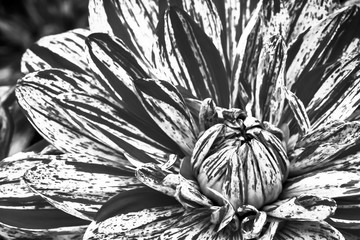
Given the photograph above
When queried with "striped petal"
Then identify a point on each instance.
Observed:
(148, 223)
(64, 50)
(37, 94)
(319, 148)
(24, 213)
(136, 213)
(323, 44)
(113, 126)
(194, 61)
(196, 224)
(234, 16)
(118, 68)
(246, 60)
(79, 184)
(267, 97)
(350, 234)
(302, 208)
(338, 96)
(133, 21)
(205, 14)
(329, 184)
(187, 192)
(298, 111)
(168, 109)
(304, 14)
(61, 232)
(308, 230)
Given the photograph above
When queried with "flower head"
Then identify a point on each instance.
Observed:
(170, 125)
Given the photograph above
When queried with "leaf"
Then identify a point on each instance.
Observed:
(167, 108)
(64, 50)
(193, 59)
(134, 22)
(302, 208)
(308, 230)
(79, 184)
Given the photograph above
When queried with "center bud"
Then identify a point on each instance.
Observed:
(238, 158)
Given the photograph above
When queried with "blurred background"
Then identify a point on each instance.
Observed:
(23, 22)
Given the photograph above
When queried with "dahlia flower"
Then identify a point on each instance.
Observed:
(192, 120)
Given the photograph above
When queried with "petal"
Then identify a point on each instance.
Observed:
(205, 14)
(323, 44)
(299, 112)
(267, 98)
(234, 16)
(318, 148)
(64, 50)
(308, 230)
(338, 96)
(24, 213)
(329, 184)
(147, 223)
(347, 214)
(118, 68)
(113, 126)
(133, 21)
(305, 14)
(245, 61)
(350, 234)
(194, 61)
(36, 93)
(168, 109)
(196, 224)
(79, 184)
(42, 224)
(302, 208)
(185, 191)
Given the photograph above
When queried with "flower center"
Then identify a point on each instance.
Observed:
(238, 159)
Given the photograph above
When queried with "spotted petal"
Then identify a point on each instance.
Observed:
(64, 50)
